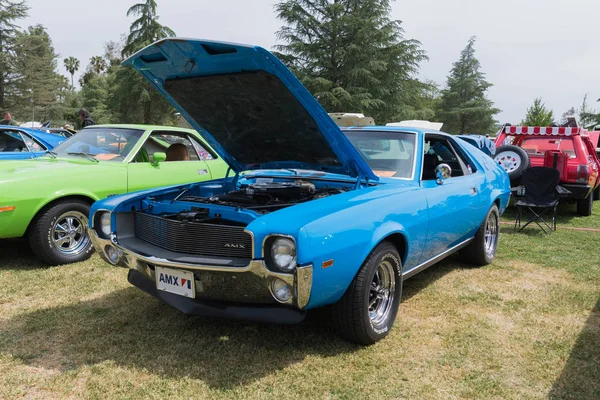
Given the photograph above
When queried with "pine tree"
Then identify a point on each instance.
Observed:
(131, 98)
(38, 84)
(350, 54)
(145, 29)
(464, 107)
(9, 12)
(538, 115)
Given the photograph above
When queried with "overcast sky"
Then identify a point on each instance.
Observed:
(527, 48)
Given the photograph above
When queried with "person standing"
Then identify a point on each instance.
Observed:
(8, 120)
(86, 119)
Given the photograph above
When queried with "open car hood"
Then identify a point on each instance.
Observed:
(249, 107)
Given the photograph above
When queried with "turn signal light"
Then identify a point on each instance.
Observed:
(7, 208)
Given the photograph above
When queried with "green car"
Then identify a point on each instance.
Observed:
(48, 199)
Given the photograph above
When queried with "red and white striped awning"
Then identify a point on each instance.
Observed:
(542, 130)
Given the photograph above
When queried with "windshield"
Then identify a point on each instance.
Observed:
(103, 144)
(389, 154)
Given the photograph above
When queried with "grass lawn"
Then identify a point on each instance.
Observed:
(527, 326)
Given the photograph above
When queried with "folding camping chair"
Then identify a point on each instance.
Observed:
(542, 194)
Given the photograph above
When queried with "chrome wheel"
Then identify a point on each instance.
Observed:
(381, 294)
(509, 160)
(68, 234)
(491, 234)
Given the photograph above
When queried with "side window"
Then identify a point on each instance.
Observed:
(32, 143)
(177, 146)
(201, 150)
(439, 150)
(11, 141)
(467, 165)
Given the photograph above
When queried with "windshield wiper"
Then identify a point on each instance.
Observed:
(86, 155)
(51, 153)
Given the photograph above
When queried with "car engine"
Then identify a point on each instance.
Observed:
(270, 196)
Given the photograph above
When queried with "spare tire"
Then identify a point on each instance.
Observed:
(514, 160)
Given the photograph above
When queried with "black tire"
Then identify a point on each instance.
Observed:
(514, 173)
(350, 315)
(44, 233)
(597, 193)
(478, 252)
(584, 206)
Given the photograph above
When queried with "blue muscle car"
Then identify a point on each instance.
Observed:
(23, 143)
(309, 215)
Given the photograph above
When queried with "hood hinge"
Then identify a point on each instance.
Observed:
(235, 178)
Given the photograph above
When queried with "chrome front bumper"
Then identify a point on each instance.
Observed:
(250, 284)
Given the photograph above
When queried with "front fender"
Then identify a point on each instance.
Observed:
(348, 236)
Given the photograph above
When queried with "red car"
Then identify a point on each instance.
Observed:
(571, 150)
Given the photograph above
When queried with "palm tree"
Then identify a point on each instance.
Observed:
(146, 28)
(71, 65)
(98, 64)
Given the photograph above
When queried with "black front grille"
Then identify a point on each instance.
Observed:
(195, 238)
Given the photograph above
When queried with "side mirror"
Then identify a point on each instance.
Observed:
(442, 172)
(159, 157)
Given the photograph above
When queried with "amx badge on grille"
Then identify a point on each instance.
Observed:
(234, 246)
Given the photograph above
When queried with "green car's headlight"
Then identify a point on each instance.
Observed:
(283, 254)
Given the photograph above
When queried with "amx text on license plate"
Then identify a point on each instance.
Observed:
(175, 281)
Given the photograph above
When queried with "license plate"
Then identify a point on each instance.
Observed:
(175, 281)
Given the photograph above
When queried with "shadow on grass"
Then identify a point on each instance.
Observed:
(532, 230)
(565, 213)
(580, 379)
(129, 328)
(133, 330)
(16, 254)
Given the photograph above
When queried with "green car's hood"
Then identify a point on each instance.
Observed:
(53, 168)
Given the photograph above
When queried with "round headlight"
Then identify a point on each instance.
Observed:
(283, 254)
(105, 223)
(281, 291)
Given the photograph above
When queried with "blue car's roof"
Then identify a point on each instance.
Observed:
(48, 139)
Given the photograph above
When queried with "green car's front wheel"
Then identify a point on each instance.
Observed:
(59, 233)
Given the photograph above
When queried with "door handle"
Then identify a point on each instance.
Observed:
(473, 191)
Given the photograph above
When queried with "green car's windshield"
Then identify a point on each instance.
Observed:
(103, 144)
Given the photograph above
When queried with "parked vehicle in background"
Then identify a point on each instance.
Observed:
(310, 216)
(32, 125)
(64, 132)
(22, 143)
(595, 138)
(481, 142)
(47, 199)
(569, 149)
(351, 119)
